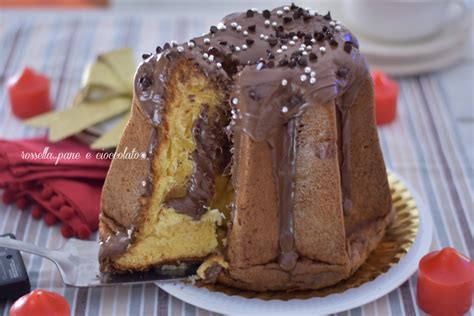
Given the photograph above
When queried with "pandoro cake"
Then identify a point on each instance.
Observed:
(261, 157)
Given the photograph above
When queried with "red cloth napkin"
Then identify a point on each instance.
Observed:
(62, 180)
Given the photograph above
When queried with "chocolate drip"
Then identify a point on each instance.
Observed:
(117, 243)
(346, 169)
(114, 245)
(284, 154)
(201, 185)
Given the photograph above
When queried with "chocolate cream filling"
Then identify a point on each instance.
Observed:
(280, 62)
(201, 185)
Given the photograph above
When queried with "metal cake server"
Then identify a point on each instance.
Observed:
(77, 262)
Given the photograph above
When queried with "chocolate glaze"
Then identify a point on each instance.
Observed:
(281, 61)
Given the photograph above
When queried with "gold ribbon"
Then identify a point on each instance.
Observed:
(105, 95)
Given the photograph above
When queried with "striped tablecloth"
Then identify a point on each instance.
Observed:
(430, 144)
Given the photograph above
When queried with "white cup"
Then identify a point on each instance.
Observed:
(400, 20)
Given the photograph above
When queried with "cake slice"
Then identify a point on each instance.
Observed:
(162, 204)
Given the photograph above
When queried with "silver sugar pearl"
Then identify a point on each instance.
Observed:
(205, 55)
(245, 33)
(235, 101)
(255, 10)
(312, 80)
(284, 82)
(219, 65)
(207, 41)
(233, 24)
(313, 41)
(284, 109)
(210, 58)
(338, 28)
(262, 36)
(237, 49)
(279, 51)
(312, 74)
(303, 77)
(284, 47)
(279, 13)
(309, 47)
(295, 38)
(307, 70)
(332, 24)
(173, 43)
(304, 53)
(239, 28)
(244, 47)
(286, 9)
(322, 49)
(291, 43)
(274, 24)
(265, 37)
(180, 49)
(221, 26)
(191, 44)
(267, 22)
(338, 23)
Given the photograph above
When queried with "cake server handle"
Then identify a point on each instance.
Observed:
(7, 242)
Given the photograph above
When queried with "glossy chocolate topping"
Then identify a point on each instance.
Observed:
(281, 62)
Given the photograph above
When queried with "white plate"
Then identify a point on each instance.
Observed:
(434, 53)
(418, 67)
(368, 292)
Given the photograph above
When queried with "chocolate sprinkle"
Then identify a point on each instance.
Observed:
(266, 14)
(213, 29)
(144, 82)
(252, 28)
(283, 63)
(319, 36)
(249, 13)
(343, 72)
(347, 47)
(328, 16)
(272, 41)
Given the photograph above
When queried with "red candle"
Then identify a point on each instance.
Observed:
(29, 94)
(445, 283)
(386, 94)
